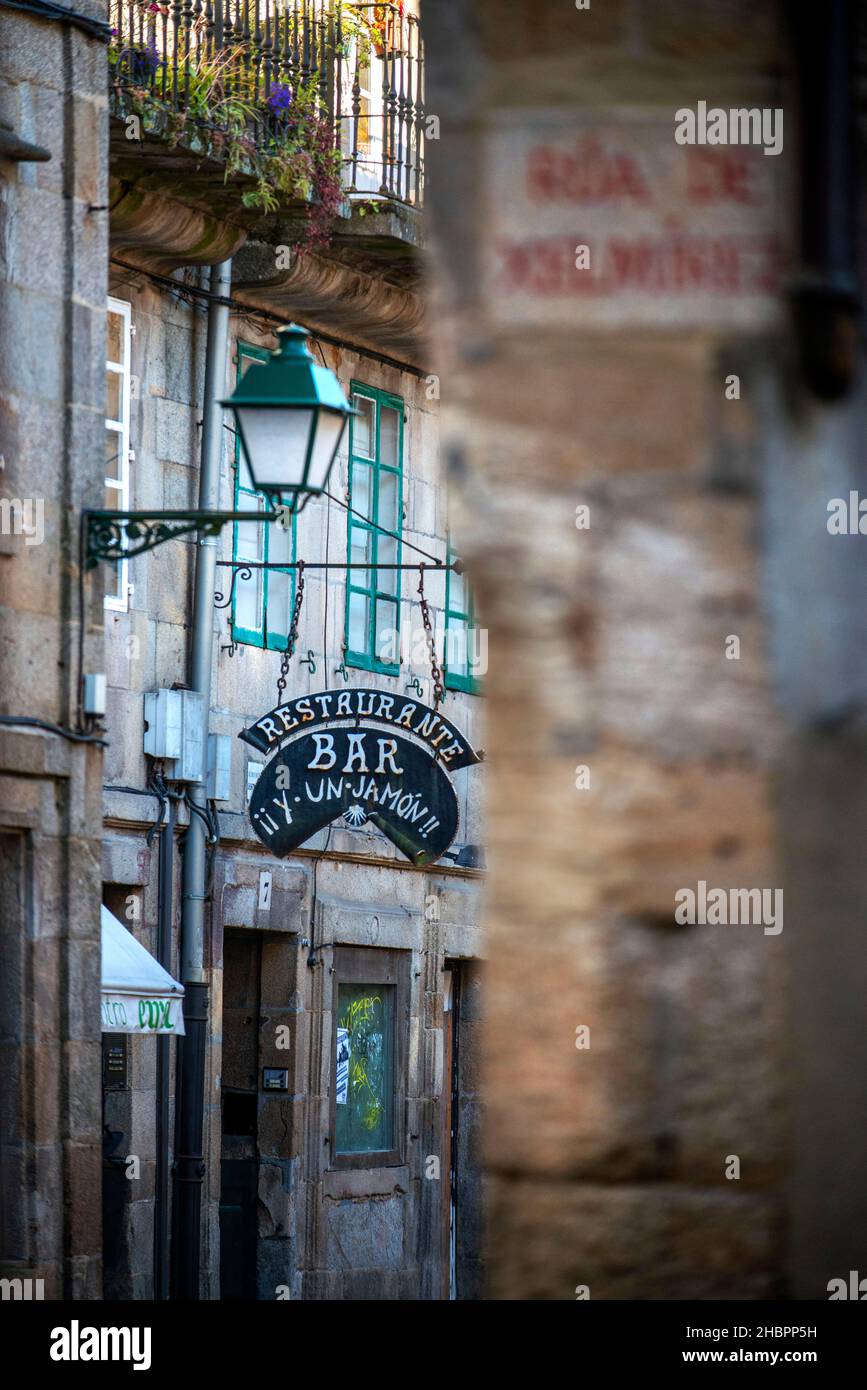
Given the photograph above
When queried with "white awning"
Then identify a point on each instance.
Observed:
(138, 995)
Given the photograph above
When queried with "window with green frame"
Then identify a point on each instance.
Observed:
(464, 659)
(262, 604)
(376, 496)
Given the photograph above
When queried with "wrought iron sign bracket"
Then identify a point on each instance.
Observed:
(112, 535)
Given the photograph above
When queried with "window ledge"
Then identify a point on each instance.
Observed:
(344, 1183)
(357, 662)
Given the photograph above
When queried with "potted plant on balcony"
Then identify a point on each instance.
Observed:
(382, 26)
(297, 159)
(280, 143)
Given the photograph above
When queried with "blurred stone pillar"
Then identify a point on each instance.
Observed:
(607, 387)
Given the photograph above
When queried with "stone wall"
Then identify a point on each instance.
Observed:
(321, 1233)
(53, 248)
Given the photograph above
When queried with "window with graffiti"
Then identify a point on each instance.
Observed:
(364, 1085)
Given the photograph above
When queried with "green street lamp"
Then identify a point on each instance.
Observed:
(290, 414)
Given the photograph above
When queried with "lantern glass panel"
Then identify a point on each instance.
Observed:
(276, 442)
(328, 432)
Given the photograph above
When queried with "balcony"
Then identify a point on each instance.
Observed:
(302, 115)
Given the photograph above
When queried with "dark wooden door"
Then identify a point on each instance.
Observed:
(238, 1183)
(239, 1168)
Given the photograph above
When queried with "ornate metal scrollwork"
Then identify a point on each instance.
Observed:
(239, 571)
(120, 535)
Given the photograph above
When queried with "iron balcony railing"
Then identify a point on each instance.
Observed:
(362, 65)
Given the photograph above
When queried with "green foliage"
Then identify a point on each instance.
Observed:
(354, 26)
(288, 150)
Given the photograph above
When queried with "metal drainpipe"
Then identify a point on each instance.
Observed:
(825, 296)
(189, 1165)
(164, 956)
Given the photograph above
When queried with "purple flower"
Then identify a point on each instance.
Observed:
(279, 98)
(139, 64)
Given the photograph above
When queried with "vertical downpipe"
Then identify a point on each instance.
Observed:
(189, 1166)
(164, 955)
(825, 296)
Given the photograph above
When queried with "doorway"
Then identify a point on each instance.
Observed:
(239, 1157)
(451, 1111)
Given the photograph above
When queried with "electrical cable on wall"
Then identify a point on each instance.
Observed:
(58, 14)
(30, 722)
(253, 315)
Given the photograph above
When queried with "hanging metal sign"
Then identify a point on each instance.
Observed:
(365, 774)
(356, 703)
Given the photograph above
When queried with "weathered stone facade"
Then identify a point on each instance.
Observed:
(81, 827)
(323, 1233)
(639, 476)
(53, 257)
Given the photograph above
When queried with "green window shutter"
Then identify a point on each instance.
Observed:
(460, 657)
(372, 631)
(262, 604)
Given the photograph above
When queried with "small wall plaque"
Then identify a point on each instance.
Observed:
(115, 1073)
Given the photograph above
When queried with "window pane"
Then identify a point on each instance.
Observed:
(245, 361)
(360, 500)
(364, 108)
(113, 395)
(245, 479)
(389, 501)
(389, 435)
(115, 350)
(250, 542)
(279, 543)
(248, 602)
(456, 646)
(360, 546)
(249, 545)
(113, 580)
(457, 593)
(386, 627)
(113, 454)
(387, 580)
(277, 614)
(359, 622)
(363, 428)
(364, 1091)
(376, 495)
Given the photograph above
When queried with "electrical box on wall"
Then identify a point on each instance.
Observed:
(93, 700)
(220, 767)
(174, 732)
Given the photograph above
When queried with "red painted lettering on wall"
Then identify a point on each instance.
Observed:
(669, 264)
(723, 176)
(589, 173)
